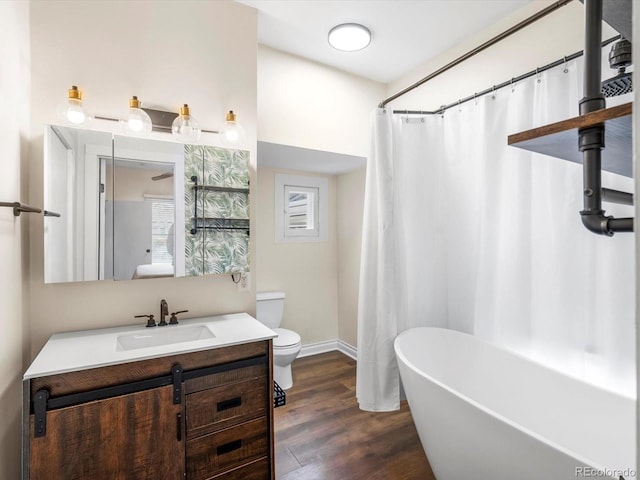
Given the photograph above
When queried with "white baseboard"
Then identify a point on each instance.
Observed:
(328, 346)
(317, 348)
(348, 350)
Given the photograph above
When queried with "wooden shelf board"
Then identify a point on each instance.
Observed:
(560, 139)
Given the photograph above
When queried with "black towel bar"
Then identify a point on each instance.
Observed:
(18, 208)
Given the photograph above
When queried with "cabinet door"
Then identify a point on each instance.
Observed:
(131, 437)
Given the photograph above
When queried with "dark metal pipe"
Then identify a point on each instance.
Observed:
(593, 99)
(591, 143)
(621, 224)
(616, 196)
(591, 140)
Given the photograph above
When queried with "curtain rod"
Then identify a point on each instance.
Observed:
(527, 21)
(504, 84)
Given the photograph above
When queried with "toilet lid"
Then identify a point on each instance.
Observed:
(285, 337)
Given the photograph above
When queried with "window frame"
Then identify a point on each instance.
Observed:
(283, 184)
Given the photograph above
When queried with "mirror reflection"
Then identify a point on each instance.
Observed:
(133, 208)
(75, 170)
(142, 198)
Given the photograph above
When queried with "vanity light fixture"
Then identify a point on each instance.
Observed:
(232, 134)
(136, 120)
(70, 110)
(185, 127)
(349, 37)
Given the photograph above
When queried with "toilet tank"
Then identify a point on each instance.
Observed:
(270, 308)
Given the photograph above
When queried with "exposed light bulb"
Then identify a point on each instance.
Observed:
(71, 110)
(232, 134)
(136, 120)
(185, 127)
(75, 114)
(135, 124)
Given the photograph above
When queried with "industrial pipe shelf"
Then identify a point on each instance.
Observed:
(560, 139)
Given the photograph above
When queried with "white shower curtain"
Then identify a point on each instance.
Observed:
(464, 232)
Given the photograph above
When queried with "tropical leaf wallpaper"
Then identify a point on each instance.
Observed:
(211, 250)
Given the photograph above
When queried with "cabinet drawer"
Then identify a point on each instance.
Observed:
(258, 470)
(213, 454)
(217, 408)
(254, 372)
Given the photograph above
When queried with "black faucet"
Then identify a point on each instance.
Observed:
(164, 311)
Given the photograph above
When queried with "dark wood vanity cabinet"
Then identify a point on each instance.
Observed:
(200, 416)
(138, 433)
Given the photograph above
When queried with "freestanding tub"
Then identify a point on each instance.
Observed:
(483, 413)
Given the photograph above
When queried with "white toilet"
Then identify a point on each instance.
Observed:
(286, 346)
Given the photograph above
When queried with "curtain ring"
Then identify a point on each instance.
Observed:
(493, 92)
(566, 70)
(459, 109)
(538, 75)
(513, 87)
(475, 98)
(441, 111)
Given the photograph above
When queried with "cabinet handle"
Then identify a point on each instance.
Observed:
(229, 447)
(179, 419)
(231, 403)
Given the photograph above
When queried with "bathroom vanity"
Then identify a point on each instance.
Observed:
(193, 401)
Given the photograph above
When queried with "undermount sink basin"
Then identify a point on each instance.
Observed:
(158, 336)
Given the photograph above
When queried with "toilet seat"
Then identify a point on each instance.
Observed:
(286, 338)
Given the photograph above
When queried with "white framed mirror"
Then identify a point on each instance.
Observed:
(130, 208)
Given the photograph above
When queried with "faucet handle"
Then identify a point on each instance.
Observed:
(174, 319)
(150, 323)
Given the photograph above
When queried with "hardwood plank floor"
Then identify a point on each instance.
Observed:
(321, 434)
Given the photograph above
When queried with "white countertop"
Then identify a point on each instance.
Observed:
(81, 350)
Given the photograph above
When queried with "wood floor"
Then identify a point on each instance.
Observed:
(321, 434)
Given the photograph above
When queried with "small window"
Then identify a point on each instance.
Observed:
(162, 230)
(301, 217)
(301, 208)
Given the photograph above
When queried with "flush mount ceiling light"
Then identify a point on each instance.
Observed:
(349, 37)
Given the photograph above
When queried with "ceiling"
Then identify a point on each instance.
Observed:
(405, 33)
(274, 155)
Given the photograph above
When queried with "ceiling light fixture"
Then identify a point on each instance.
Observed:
(349, 37)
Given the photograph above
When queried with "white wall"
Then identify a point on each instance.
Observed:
(14, 292)
(556, 35)
(305, 104)
(306, 271)
(350, 214)
(167, 53)
(636, 170)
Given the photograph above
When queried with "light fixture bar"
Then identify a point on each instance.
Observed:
(160, 119)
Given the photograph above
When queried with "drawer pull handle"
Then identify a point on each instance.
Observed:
(229, 447)
(231, 403)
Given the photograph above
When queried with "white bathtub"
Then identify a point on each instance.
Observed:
(483, 413)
